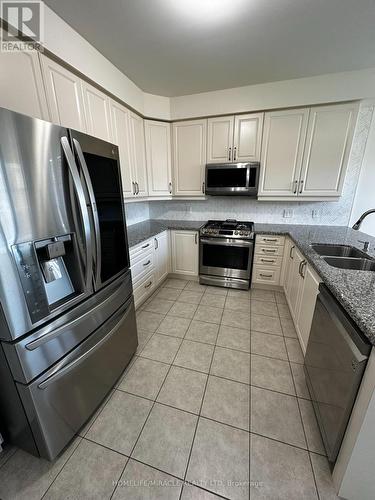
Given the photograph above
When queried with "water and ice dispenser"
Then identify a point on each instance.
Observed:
(50, 273)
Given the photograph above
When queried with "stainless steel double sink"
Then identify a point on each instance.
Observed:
(344, 256)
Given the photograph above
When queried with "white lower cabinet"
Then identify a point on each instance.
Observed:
(301, 286)
(149, 265)
(308, 295)
(185, 252)
(162, 256)
(268, 255)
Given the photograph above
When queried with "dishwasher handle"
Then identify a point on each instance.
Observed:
(351, 335)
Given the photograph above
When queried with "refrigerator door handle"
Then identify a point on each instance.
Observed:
(82, 205)
(90, 190)
(62, 370)
(34, 344)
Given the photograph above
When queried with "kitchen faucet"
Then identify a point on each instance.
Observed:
(357, 225)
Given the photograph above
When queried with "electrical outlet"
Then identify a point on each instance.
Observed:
(315, 214)
(288, 213)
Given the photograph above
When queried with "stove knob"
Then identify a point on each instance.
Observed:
(235, 232)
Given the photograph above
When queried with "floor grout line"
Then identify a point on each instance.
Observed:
(303, 425)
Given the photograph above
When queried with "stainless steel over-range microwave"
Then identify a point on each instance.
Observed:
(236, 179)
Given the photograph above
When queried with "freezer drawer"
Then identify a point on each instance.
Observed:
(35, 353)
(59, 402)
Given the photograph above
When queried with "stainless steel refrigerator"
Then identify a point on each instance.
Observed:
(67, 319)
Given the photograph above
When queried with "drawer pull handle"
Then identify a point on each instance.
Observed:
(268, 250)
(265, 275)
(148, 285)
(269, 239)
(271, 261)
(146, 246)
(147, 263)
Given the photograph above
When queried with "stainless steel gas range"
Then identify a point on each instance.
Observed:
(226, 253)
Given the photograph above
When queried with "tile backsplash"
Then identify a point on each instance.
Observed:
(325, 213)
(136, 212)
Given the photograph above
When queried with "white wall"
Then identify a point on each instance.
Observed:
(299, 92)
(365, 195)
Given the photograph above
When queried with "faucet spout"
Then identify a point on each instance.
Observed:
(357, 225)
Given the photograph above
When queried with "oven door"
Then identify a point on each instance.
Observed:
(225, 257)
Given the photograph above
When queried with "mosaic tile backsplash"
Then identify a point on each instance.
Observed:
(327, 213)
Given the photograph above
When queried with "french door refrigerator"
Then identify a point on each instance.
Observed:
(67, 319)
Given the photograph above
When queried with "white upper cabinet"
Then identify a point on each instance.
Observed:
(305, 152)
(247, 137)
(282, 150)
(97, 112)
(234, 138)
(158, 158)
(21, 84)
(329, 138)
(138, 155)
(189, 157)
(220, 139)
(64, 95)
(120, 129)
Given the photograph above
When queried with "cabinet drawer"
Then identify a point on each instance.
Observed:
(144, 288)
(269, 250)
(266, 275)
(143, 266)
(264, 239)
(267, 260)
(139, 251)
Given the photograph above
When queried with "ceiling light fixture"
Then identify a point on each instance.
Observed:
(207, 11)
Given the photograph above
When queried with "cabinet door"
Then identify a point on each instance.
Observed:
(247, 137)
(185, 252)
(163, 256)
(120, 128)
(137, 138)
(309, 292)
(189, 157)
(282, 149)
(220, 139)
(97, 112)
(328, 144)
(158, 158)
(21, 84)
(64, 94)
(295, 283)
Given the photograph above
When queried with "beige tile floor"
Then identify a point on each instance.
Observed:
(215, 396)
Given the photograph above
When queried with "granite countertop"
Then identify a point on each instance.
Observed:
(148, 228)
(355, 290)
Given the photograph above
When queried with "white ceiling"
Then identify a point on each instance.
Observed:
(178, 47)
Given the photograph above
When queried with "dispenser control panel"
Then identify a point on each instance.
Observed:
(31, 280)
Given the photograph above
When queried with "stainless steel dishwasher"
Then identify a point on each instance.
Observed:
(335, 360)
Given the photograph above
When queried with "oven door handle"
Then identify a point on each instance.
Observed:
(226, 242)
